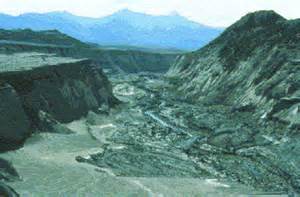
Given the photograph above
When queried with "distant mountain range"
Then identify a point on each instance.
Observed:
(123, 28)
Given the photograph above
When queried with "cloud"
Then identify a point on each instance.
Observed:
(211, 12)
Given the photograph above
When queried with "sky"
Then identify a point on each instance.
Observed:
(219, 13)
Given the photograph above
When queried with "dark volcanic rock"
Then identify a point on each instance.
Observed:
(66, 91)
(14, 123)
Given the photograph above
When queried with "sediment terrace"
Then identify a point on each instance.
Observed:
(28, 61)
(35, 84)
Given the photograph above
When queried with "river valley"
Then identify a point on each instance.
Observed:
(135, 149)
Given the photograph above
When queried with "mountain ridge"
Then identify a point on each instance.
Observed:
(124, 27)
(246, 56)
(251, 74)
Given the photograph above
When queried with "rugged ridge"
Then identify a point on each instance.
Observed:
(254, 62)
(245, 85)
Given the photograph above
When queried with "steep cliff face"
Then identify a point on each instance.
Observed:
(14, 124)
(65, 91)
(254, 62)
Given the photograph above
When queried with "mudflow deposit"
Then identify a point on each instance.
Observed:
(222, 121)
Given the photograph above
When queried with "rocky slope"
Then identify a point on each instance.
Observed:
(66, 46)
(54, 89)
(254, 62)
(242, 92)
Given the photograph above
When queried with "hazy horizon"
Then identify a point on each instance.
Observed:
(210, 13)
